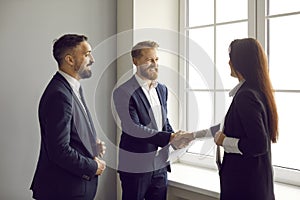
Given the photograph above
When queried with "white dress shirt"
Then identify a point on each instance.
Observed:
(153, 99)
(230, 144)
(75, 85)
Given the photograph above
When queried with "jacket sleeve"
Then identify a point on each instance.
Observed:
(58, 118)
(251, 112)
(129, 116)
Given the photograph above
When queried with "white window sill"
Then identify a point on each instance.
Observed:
(206, 182)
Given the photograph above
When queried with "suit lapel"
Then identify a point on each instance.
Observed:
(163, 110)
(139, 91)
(79, 104)
(84, 128)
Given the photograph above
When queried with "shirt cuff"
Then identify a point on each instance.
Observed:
(231, 145)
(201, 133)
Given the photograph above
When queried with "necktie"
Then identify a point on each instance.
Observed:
(92, 133)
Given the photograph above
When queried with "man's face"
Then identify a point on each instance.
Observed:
(83, 60)
(147, 67)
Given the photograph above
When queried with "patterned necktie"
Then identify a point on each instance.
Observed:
(92, 133)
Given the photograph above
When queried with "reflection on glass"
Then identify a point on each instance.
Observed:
(284, 53)
(231, 10)
(285, 152)
(286, 6)
(225, 34)
(200, 12)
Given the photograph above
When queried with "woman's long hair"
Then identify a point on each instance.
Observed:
(249, 59)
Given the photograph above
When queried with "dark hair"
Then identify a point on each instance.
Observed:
(65, 43)
(137, 49)
(249, 59)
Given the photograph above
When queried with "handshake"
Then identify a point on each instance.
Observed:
(182, 139)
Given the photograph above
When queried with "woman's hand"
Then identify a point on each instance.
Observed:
(219, 138)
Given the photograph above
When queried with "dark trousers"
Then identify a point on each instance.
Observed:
(148, 186)
(90, 189)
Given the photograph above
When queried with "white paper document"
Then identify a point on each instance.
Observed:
(176, 154)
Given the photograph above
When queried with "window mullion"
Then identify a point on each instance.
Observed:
(261, 22)
(252, 32)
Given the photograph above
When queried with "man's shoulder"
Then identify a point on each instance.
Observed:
(130, 84)
(58, 85)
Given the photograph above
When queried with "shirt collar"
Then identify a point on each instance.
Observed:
(236, 88)
(144, 83)
(74, 83)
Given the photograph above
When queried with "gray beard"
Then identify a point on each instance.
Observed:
(146, 75)
(85, 74)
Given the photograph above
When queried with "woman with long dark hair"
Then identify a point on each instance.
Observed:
(250, 126)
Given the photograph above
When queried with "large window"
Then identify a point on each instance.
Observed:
(212, 25)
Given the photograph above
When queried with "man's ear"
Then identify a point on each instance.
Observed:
(134, 61)
(69, 59)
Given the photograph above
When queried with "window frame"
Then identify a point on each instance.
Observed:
(257, 28)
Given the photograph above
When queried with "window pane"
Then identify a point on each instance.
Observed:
(223, 102)
(204, 37)
(231, 10)
(225, 34)
(286, 153)
(200, 54)
(200, 12)
(200, 116)
(197, 80)
(284, 52)
(200, 110)
(286, 6)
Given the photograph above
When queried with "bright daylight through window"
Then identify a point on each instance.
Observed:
(212, 25)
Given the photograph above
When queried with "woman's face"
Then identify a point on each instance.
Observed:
(232, 71)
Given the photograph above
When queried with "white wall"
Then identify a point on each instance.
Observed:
(159, 21)
(27, 28)
(145, 20)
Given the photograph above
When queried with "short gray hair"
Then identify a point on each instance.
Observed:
(137, 49)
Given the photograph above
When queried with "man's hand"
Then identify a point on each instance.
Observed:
(181, 139)
(101, 166)
(101, 148)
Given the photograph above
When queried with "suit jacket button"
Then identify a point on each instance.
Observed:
(86, 177)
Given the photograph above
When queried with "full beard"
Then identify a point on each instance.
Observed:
(84, 72)
(151, 73)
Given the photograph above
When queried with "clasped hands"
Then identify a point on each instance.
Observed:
(101, 151)
(181, 139)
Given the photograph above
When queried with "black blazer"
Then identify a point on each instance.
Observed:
(248, 176)
(65, 166)
(140, 137)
